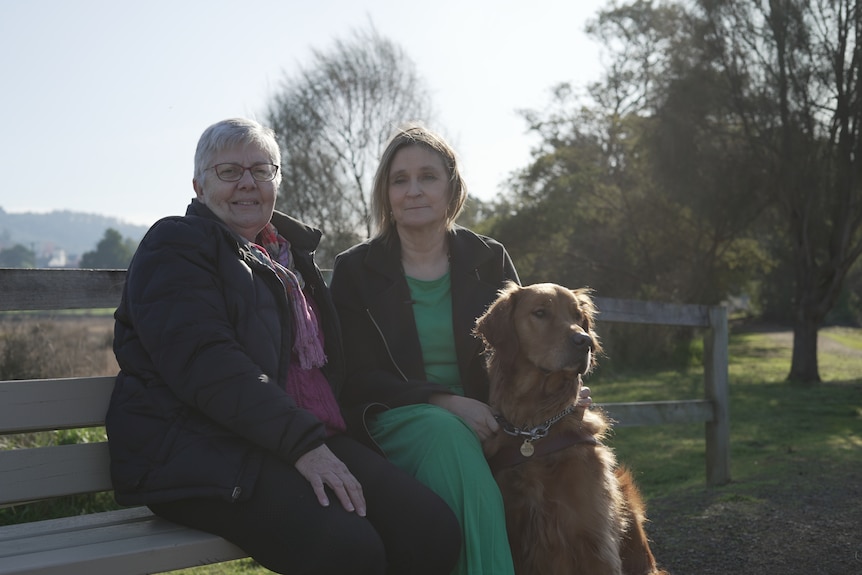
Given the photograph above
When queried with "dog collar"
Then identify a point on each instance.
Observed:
(537, 432)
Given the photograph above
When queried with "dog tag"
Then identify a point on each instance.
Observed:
(527, 448)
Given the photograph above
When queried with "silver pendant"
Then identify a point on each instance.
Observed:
(527, 448)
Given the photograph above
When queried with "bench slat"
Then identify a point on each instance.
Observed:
(46, 404)
(128, 541)
(44, 472)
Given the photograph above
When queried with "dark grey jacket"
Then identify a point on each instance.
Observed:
(383, 354)
(203, 336)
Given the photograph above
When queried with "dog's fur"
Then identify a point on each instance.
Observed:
(573, 511)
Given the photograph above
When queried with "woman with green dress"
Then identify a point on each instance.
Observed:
(408, 300)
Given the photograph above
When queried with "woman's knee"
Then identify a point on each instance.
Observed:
(441, 547)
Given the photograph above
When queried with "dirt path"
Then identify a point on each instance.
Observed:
(809, 525)
(825, 343)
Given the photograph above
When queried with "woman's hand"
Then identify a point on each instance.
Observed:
(322, 468)
(584, 399)
(476, 414)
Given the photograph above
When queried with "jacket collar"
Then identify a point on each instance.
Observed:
(468, 252)
(301, 236)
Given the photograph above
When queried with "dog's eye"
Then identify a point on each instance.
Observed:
(540, 313)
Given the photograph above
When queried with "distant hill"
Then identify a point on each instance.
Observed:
(74, 232)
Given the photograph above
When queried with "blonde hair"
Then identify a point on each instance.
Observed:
(414, 134)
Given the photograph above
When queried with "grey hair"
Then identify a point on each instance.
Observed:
(414, 134)
(232, 133)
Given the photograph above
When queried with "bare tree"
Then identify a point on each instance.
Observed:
(332, 120)
(794, 68)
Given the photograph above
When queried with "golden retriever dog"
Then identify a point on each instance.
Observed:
(570, 509)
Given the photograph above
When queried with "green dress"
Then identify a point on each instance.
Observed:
(453, 464)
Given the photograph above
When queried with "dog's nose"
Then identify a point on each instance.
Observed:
(581, 340)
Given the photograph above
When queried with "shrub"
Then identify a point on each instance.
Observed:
(36, 347)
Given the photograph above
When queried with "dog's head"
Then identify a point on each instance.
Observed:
(547, 326)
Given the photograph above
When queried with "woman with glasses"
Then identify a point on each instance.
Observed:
(224, 414)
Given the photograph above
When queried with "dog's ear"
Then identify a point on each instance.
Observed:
(496, 327)
(590, 311)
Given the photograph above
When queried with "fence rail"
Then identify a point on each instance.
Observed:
(60, 289)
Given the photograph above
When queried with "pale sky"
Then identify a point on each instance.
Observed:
(103, 101)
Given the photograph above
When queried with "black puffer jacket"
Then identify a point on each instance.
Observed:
(203, 336)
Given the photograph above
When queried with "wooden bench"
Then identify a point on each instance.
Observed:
(133, 540)
(130, 540)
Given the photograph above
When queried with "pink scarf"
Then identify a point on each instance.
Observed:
(306, 341)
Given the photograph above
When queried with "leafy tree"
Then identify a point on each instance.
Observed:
(726, 128)
(641, 192)
(112, 252)
(559, 208)
(475, 213)
(332, 120)
(17, 256)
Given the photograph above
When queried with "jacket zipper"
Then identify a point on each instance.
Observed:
(385, 344)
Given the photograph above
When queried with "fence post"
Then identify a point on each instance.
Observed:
(717, 391)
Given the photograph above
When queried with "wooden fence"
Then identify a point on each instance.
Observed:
(62, 289)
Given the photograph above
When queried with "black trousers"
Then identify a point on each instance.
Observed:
(408, 529)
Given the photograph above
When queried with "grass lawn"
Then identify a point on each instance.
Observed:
(777, 427)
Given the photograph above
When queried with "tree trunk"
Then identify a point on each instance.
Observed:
(803, 365)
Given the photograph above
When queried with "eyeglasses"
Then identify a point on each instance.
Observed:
(234, 172)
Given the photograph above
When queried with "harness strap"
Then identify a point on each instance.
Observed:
(510, 454)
